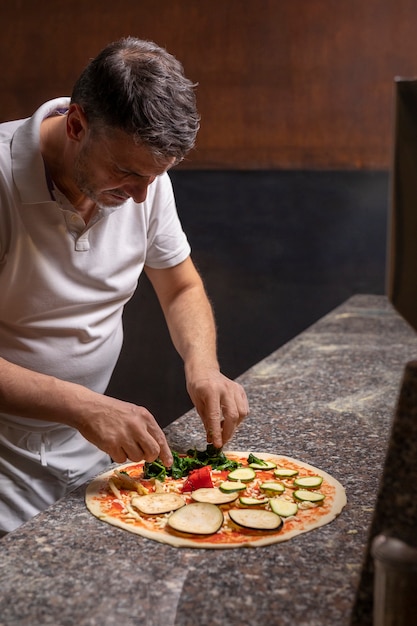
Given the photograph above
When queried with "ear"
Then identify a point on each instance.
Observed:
(77, 125)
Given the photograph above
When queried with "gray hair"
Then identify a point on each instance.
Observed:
(140, 88)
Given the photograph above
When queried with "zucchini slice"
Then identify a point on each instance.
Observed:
(272, 487)
(157, 503)
(303, 495)
(284, 472)
(229, 486)
(198, 518)
(283, 508)
(213, 495)
(246, 501)
(242, 474)
(257, 519)
(266, 465)
(308, 482)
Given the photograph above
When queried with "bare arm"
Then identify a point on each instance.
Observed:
(121, 429)
(220, 402)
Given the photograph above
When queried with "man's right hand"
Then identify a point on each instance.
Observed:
(125, 431)
(121, 429)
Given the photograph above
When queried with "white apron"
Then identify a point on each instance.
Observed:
(40, 465)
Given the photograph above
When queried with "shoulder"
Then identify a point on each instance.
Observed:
(160, 199)
(161, 187)
(8, 128)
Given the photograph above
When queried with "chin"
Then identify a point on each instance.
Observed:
(110, 201)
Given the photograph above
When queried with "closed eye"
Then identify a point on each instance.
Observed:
(127, 173)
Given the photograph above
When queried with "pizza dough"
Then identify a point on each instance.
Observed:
(299, 507)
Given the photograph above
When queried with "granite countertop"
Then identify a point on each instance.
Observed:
(328, 398)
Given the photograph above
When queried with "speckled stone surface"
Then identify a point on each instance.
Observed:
(395, 513)
(328, 397)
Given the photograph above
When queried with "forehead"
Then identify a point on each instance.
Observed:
(121, 150)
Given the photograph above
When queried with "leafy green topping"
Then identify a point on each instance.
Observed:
(194, 459)
(155, 469)
(254, 459)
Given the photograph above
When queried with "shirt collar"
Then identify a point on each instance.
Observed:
(27, 162)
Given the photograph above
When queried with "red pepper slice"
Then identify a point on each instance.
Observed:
(198, 478)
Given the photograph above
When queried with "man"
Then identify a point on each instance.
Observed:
(85, 205)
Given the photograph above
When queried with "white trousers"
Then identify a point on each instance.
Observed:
(39, 466)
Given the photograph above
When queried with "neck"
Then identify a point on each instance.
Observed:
(86, 209)
(56, 151)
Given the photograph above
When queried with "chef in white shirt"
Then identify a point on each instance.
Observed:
(86, 205)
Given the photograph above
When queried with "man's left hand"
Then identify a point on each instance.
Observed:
(221, 403)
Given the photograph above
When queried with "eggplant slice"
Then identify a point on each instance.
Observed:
(157, 503)
(198, 518)
(256, 519)
(213, 495)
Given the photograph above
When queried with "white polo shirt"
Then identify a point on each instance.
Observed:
(63, 284)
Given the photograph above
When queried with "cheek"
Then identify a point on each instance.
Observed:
(96, 174)
(102, 179)
(108, 179)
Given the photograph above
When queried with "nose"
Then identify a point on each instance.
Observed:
(138, 190)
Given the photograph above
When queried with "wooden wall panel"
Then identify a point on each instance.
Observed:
(282, 84)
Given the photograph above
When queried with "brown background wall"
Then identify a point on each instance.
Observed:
(282, 84)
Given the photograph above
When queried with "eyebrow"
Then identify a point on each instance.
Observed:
(131, 172)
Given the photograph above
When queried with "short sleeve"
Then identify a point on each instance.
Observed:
(167, 243)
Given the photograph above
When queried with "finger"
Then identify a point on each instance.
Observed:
(165, 454)
(209, 412)
(147, 447)
(149, 438)
(134, 451)
(229, 423)
(242, 403)
(118, 455)
(164, 451)
(212, 424)
(233, 415)
(229, 428)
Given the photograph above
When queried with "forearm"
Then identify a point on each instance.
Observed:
(192, 327)
(31, 394)
(220, 402)
(121, 429)
(188, 314)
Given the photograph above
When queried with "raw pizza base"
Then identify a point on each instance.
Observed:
(98, 500)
